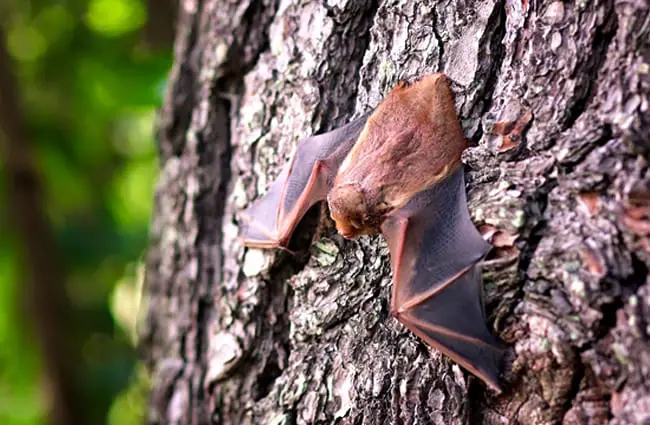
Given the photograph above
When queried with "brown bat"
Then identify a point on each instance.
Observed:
(398, 172)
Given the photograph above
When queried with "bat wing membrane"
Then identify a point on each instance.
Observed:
(437, 287)
(259, 221)
(305, 180)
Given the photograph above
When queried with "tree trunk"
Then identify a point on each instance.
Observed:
(553, 97)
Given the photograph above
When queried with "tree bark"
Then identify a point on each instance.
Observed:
(554, 98)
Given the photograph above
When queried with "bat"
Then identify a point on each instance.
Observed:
(397, 171)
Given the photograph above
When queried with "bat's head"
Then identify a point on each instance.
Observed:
(350, 211)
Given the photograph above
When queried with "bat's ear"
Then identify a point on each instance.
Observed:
(401, 84)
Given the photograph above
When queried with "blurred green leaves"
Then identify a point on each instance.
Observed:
(90, 86)
(30, 37)
(115, 17)
(20, 397)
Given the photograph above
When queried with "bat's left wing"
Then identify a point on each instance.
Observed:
(305, 180)
(437, 285)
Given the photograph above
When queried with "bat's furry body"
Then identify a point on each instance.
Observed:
(398, 172)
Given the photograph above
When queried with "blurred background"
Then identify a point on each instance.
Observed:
(80, 84)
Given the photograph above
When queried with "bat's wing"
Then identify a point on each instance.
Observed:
(437, 285)
(305, 180)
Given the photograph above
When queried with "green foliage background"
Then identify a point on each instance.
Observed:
(90, 86)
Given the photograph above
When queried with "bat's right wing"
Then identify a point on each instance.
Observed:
(305, 180)
(437, 286)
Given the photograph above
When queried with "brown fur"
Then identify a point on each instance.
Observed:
(411, 141)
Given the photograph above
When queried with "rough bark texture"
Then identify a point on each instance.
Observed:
(238, 336)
